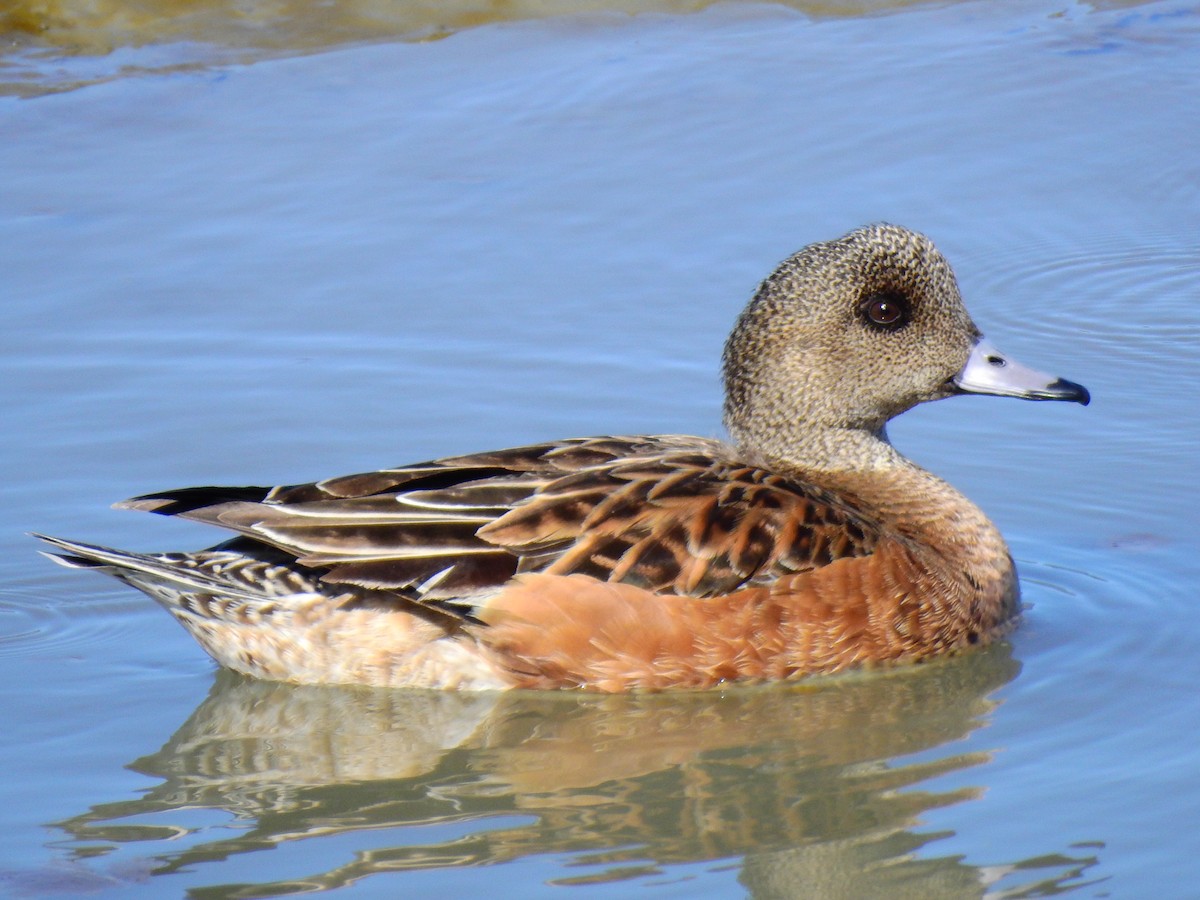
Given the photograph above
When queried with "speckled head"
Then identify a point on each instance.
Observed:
(846, 334)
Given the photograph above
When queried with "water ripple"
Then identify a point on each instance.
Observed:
(1101, 617)
(1090, 295)
(31, 624)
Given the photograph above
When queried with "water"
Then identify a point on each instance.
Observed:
(251, 260)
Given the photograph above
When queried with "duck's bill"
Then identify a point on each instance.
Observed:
(988, 371)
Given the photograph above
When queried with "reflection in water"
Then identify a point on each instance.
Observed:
(803, 782)
(99, 26)
(59, 45)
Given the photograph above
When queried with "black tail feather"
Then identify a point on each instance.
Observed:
(185, 500)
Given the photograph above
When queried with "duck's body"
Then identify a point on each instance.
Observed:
(809, 545)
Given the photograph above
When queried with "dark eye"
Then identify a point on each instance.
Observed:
(887, 311)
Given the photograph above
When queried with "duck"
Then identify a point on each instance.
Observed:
(805, 544)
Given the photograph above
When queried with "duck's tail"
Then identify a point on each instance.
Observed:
(255, 611)
(164, 576)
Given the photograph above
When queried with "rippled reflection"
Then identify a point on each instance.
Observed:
(98, 26)
(46, 45)
(809, 784)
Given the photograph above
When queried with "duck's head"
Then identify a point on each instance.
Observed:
(846, 334)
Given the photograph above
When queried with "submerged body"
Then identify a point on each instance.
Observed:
(807, 545)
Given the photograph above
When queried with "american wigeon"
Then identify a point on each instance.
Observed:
(807, 544)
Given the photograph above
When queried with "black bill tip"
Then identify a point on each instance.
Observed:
(1070, 391)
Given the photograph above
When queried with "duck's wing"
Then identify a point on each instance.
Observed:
(671, 514)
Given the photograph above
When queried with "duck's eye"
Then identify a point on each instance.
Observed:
(887, 311)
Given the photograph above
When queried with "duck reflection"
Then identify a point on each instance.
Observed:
(816, 787)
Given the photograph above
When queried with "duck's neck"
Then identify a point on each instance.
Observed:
(823, 450)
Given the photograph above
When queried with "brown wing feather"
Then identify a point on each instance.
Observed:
(674, 515)
(694, 525)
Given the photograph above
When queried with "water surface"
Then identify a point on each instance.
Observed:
(261, 262)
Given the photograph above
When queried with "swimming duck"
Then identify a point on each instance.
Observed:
(807, 544)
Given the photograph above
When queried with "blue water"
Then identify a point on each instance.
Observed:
(302, 266)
